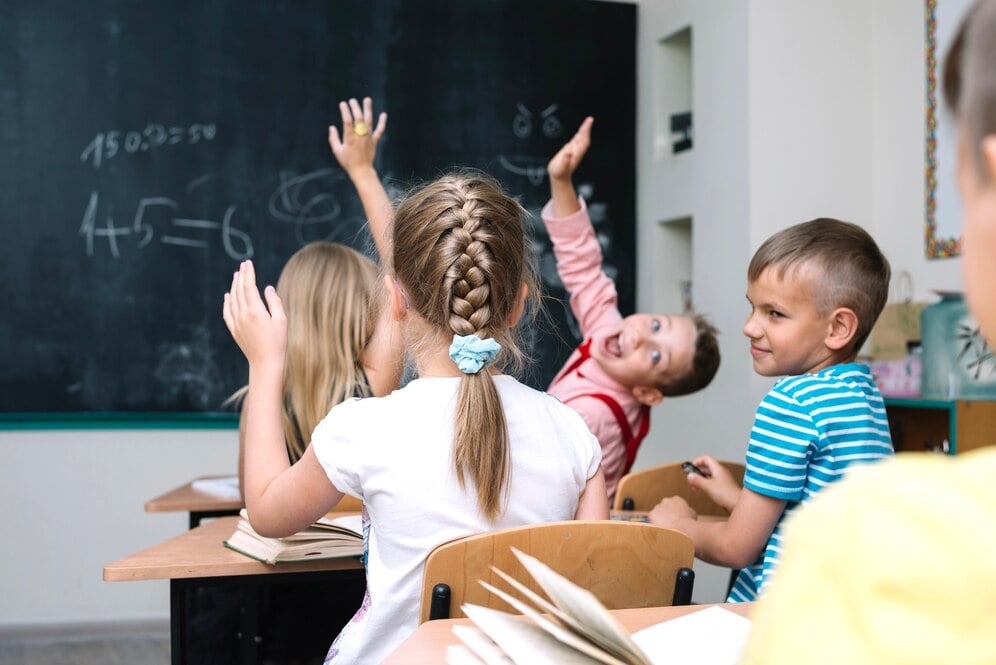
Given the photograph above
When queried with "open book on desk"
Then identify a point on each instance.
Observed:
(574, 627)
(328, 538)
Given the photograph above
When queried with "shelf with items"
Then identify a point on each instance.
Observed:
(919, 425)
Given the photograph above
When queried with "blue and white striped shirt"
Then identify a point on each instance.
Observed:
(807, 430)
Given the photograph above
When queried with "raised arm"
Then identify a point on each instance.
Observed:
(281, 499)
(561, 169)
(593, 296)
(355, 151)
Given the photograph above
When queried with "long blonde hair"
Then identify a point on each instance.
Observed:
(460, 255)
(329, 294)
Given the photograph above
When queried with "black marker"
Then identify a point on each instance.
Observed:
(688, 467)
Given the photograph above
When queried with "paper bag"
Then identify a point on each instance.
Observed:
(898, 324)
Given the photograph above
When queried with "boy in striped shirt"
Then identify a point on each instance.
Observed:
(815, 290)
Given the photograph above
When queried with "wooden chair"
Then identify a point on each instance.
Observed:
(642, 490)
(646, 488)
(625, 564)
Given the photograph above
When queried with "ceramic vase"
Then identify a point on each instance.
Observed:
(957, 362)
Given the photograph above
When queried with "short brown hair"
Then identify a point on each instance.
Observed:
(705, 362)
(969, 80)
(855, 273)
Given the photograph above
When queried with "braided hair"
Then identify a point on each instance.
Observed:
(460, 255)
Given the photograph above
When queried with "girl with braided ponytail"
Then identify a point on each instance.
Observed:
(459, 450)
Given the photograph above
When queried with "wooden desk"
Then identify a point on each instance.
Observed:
(427, 645)
(202, 505)
(199, 504)
(197, 559)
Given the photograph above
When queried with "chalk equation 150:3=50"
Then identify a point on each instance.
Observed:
(107, 145)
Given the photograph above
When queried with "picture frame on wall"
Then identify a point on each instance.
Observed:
(942, 229)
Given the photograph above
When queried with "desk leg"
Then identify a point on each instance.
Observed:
(197, 515)
(178, 621)
(242, 632)
(249, 625)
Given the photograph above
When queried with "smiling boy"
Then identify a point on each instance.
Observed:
(815, 290)
(624, 366)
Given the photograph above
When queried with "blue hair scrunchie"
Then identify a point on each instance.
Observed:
(471, 353)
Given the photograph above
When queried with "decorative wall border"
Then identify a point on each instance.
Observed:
(936, 248)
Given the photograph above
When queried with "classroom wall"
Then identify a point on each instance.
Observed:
(73, 502)
(898, 114)
(73, 499)
(710, 185)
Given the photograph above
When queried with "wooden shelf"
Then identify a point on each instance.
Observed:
(916, 424)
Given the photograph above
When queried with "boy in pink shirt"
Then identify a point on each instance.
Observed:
(624, 365)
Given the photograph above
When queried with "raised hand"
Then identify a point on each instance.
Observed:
(261, 333)
(567, 159)
(356, 148)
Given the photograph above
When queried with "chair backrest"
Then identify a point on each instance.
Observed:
(646, 488)
(625, 564)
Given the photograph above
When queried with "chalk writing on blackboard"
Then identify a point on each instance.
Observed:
(187, 369)
(522, 124)
(167, 147)
(183, 231)
(533, 168)
(107, 145)
(309, 202)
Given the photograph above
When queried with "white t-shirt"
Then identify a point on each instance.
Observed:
(394, 453)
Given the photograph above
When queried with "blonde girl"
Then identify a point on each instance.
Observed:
(329, 294)
(337, 346)
(459, 450)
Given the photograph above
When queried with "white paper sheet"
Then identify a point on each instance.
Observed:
(713, 636)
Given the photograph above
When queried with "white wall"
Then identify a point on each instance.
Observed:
(73, 502)
(710, 184)
(812, 125)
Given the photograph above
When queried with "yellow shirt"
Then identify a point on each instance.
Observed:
(894, 564)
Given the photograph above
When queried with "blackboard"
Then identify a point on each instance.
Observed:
(147, 147)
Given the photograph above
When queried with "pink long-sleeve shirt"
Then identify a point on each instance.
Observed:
(594, 302)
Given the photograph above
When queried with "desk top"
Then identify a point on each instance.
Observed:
(427, 645)
(200, 553)
(641, 516)
(186, 499)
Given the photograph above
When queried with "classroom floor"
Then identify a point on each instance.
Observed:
(118, 650)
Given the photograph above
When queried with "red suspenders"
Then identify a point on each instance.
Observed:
(631, 442)
(585, 352)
